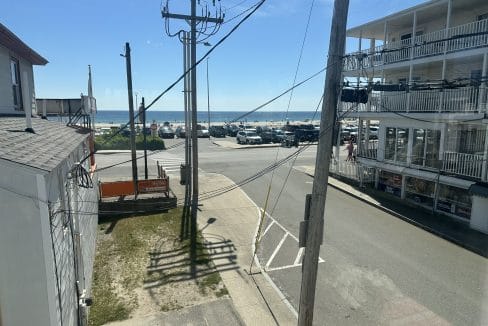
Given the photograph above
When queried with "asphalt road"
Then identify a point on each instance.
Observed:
(374, 269)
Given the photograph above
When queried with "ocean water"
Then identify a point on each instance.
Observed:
(122, 116)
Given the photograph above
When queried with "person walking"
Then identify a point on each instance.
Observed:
(350, 151)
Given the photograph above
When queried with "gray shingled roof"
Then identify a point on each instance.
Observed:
(13, 43)
(46, 149)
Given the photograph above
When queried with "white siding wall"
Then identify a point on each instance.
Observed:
(6, 96)
(31, 294)
(24, 293)
(69, 201)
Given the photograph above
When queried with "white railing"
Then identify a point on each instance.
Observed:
(424, 101)
(429, 44)
(458, 38)
(470, 165)
(467, 36)
(463, 99)
(354, 171)
(369, 149)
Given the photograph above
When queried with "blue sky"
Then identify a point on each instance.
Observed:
(256, 63)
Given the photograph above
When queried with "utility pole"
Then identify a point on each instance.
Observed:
(204, 20)
(131, 116)
(143, 105)
(194, 135)
(315, 226)
(208, 98)
(187, 173)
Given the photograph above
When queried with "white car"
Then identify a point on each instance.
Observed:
(202, 132)
(373, 132)
(248, 137)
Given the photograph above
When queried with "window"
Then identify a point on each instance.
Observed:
(454, 200)
(405, 38)
(420, 191)
(390, 182)
(16, 88)
(396, 144)
(476, 77)
(425, 147)
(482, 17)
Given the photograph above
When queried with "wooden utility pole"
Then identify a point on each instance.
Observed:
(143, 104)
(194, 135)
(194, 19)
(314, 233)
(131, 116)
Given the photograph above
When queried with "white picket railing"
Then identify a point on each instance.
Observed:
(467, 36)
(458, 38)
(463, 99)
(470, 165)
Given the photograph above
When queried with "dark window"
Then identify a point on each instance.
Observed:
(482, 17)
(16, 88)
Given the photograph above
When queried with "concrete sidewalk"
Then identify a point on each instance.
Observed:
(218, 312)
(447, 228)
(235, 219)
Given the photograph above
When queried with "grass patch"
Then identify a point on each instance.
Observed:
(143, 259)
(107, 306)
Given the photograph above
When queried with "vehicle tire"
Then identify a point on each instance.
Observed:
(247, 141)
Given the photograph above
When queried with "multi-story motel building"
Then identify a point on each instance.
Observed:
(427, 68)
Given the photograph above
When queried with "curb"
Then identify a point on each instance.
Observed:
(410, 221)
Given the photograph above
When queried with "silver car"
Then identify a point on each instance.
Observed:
(248, 137)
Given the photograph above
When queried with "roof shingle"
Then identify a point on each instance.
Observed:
(47, 148)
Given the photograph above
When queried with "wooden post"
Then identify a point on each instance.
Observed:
(319, 191)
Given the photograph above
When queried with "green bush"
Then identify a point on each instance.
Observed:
(121, 142)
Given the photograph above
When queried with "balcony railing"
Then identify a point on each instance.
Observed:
(470, 165)
(463, 99)
(458, 38)
(368, 149)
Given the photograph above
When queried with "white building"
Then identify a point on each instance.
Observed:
(425, 70)
(48, 204)
(16, 61)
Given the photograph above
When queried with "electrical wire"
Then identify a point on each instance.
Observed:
(171, 86)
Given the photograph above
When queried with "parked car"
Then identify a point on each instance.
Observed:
(166, 132)
(277, 135)
(217, 131)
(289, 139)
(373, 132)
(180, 132)
(202, 132)
(351, 133)
(231, 130)
(306, 133)
(248, 137)
(266, 134)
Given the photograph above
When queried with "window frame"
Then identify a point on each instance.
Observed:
(16, 85)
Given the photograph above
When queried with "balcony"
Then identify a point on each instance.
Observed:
(368, 149)
(470, 165)
(458, 38)
(457, 100)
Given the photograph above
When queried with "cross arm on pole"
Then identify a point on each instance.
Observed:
(189, 17)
